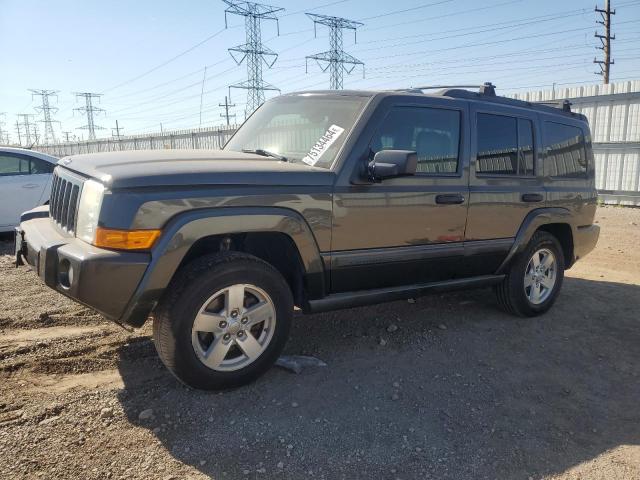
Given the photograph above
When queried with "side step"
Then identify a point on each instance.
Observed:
(338, 301)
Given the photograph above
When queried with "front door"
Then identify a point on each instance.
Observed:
(406, 230)
(20, 190)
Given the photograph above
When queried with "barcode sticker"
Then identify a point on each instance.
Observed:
(323, 144)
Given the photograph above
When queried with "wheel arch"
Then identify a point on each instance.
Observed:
(556, 221)
(206, 231)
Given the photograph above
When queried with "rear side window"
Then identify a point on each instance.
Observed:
(565, 151)
(433, 133)
(505, 145)
(13, 165)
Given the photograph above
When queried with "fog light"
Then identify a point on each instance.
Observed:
(65, 273)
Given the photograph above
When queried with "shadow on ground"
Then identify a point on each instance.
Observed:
(460, 390)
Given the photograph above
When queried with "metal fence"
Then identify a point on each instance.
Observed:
(614, 116)
(211, 138)
(613, 111)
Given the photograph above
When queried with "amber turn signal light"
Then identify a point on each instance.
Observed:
(126, 239)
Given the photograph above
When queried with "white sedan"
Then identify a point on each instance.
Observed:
(25, 183)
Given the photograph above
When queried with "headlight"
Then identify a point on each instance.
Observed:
(89, 210)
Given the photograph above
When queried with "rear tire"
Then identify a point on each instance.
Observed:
(223, 321)
(534, 277)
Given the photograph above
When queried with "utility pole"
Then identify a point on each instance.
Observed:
(46, 109)
(253, 52)
(26, 125)
(117, 131)
(336, 60)
(89, 109)
(226, 106)
(204, 77)
(66, 136)
(605, 65)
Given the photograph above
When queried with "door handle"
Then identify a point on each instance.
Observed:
(30, 185)
(449, 199)
(532, 197)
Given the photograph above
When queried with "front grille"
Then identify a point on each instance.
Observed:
(65, 194)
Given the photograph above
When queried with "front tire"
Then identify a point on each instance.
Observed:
(534, 278)
(223, 321)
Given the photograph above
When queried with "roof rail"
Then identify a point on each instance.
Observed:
(487, 88)
(565, 105)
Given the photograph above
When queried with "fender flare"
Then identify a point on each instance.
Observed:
(185, 229)
(534, 220)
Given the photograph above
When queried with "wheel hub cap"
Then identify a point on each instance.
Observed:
(233, 327)
(540, 276)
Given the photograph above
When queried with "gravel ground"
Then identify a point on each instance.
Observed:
(446, 387)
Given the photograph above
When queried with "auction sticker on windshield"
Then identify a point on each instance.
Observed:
(322, 145)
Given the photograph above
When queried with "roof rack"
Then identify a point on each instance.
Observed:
(564, 104)
(487, 88)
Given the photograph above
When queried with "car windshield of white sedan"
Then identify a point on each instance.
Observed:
(299, 128)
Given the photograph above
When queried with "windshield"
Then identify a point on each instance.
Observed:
(300, 128)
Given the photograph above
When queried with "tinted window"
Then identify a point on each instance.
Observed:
(431, 132)
(497, 144)
(13, 165)
(525, 147)
(505, 145)
(565, 150)
(40, 166)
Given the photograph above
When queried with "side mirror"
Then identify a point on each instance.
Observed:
(393, 163)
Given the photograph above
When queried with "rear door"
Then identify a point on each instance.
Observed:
(505, 182)
(406, 230)
(20, 189)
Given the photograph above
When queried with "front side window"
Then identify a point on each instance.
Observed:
(41, 166)
(13, 165)
(301, 128)
(565, 151)
(433, 133)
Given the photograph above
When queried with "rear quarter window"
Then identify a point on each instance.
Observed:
(565, 152)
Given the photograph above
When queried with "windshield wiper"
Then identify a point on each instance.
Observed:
(266, 153)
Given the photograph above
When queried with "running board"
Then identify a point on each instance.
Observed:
(338, 301)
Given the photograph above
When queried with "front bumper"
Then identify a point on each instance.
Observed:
(102, 279)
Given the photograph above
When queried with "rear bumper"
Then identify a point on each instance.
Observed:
(584, 240)
(104, 280)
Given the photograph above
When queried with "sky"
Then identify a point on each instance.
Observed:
(147, 58)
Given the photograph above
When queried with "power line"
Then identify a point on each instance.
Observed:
(336, 60)
(47, 110)
(89, 109)
(605, 65)
(253, 51)
(4, 135)
(405, 10)
(166, 62)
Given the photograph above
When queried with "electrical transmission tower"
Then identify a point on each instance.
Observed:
(66, 136)
(46, 109)
(4, 135)
(605, 65)
(253, 52)
(27, 128)
(90, 109)
(227, 106)
(336, 60)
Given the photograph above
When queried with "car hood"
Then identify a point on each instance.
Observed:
(148, 168)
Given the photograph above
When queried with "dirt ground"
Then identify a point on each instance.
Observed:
(447, 387)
